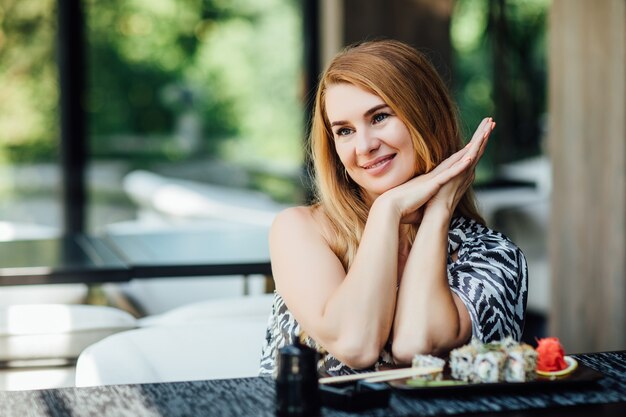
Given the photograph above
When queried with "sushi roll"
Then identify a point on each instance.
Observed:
(428, 361)
(504, 360)
(462, 361)
(489, 364)
(520, 363)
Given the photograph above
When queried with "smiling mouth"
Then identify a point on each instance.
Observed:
(380, 162)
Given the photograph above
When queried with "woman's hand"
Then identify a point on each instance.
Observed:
(455, 174)
(449, 194)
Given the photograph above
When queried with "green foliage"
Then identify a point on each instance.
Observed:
(30, 151)
(138, 53)
(168, 74)
(29, 126)
(168, 80)
(500, 71)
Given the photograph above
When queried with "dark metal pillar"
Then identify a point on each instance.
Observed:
(312, 68)
(73, 147)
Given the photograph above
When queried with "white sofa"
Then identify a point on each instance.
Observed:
(39, 343)
(33, 332)
(213, 339)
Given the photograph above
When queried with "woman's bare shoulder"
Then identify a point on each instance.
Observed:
(294, 216)
(297, 238)
(301, 218)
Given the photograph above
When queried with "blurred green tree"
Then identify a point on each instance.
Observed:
(500, 70)
(195, 77)
(29, 126)
(167, 79)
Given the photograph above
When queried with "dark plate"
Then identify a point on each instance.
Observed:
(580, 376)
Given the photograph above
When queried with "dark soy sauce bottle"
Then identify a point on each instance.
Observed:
(297, 388)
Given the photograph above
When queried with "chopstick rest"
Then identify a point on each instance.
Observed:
(357, 396)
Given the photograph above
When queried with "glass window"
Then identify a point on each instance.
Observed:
(29, 125)
(190, 93)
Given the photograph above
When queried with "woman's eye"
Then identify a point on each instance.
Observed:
(343, 131)
(379, 117)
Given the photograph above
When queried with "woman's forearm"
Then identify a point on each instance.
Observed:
(358, 316)
(427, 319)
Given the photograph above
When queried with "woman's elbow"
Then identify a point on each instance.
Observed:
(403, 350)
(358, 356)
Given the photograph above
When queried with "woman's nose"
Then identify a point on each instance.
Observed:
(366, 142)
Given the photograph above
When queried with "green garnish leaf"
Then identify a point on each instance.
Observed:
(425, 383)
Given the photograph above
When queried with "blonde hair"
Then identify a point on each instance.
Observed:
(407, 82)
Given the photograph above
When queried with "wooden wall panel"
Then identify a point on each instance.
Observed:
(425, 24)
(587, 145)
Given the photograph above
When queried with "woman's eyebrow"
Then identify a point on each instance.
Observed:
(374, 109)
(366, 114)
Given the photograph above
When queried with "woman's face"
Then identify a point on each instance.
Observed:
(373, 144)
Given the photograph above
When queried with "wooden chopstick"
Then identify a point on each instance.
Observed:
(403, 372)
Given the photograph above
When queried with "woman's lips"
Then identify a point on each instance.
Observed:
(379, 164)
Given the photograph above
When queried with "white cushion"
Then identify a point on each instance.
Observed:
(43, 294)
(53, 331)
(218, 348)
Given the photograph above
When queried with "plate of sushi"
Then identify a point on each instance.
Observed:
(505, 364)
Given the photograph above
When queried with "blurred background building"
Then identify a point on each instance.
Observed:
(106, 104)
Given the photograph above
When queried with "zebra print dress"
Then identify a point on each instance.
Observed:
(490, 276)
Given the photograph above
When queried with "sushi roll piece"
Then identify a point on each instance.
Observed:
(462, 361)
(489, 365)
(521, 363)
(428, 361)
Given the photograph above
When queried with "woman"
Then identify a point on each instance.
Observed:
(393, 259)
